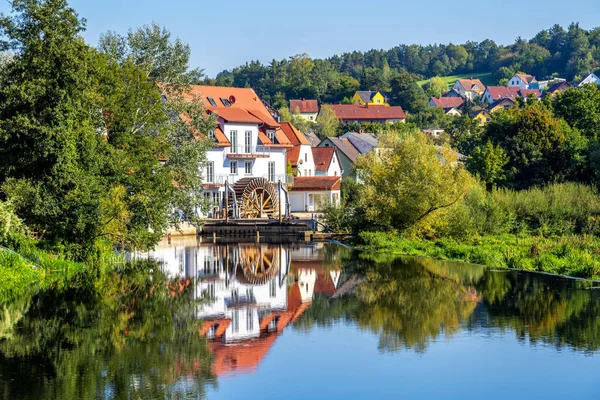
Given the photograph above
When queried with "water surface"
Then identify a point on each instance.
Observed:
(298, 321)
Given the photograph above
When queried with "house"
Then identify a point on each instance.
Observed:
(494, 93)
(300, 157)
(363, 142)
(248, 143)
(469, 88)
(451, 105)
(556, 88)
(312, 138)
(480, 115)
(451, 93)
(523, 81)
(501, 105)
(327, 162)
(308, 109)
(591, 78)
(371, 98)
(310, 193)
(352, 113)
(346, 152)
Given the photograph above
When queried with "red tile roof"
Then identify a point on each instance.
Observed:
(526, 92)
(294, 135)
(503, 92)
(292, 155)
(304, 106)
(317, 183)
(322, 157)
(447, 102)
(526, 78)
(472, 84)
(356, 112)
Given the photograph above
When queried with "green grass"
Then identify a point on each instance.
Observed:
(572, 255)
(486, 78)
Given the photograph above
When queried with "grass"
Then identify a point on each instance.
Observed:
(485, 77)
(571, 255)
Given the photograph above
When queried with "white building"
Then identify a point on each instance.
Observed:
(300, 157)
(590, 79)
(326, 161)
(248, 142)
(310, 193)
(469, 88)
(523, 81)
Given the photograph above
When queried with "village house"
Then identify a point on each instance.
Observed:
(523, 81)
(371, 98)
(352, 113)
(501, 105)
(494, 93)
(590, 79)
(311, 193)
(300, 157)
(556, 88)
(312, 138)
(347, 154)
(481, 116)
(450, 105)
(308, 109)
(469, 88)
(248, 143)
(326, 161)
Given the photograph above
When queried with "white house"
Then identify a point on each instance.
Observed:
(590, 79)
(300, 157)
(309, 193)
(248, 142)
(469, 88)
(523, 81)
(326, 161)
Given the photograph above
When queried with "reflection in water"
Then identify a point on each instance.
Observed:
(208, 311)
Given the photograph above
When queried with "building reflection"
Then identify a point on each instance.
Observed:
(250, 292)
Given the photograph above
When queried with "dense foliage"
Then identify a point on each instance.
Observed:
(569, 53)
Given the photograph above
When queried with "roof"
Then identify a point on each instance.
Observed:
(526, 92)
(304, 106)
(367, 95)
(345, 146)
(526, 78)
(558, 87)
(447, 102)
(292, 155)
(501, 102)
(363, 142)
(590, 78)
(359, 112)
(312, 138)
(322, 157)
(317, 183)
(472, 84)
(475, 112)
(451, 93)
(502, 92)
(294, 135)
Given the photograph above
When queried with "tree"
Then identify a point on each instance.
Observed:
(581, 109)
(407, 94)
(408, 180)
(488, 163)
(327, 122)
(435, 87)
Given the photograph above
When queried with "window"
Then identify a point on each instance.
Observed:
(271, 134)
(271, 171)
(235, 321)
(210, 172)
(210, 291)
(233, 140)
(211, 101)
(311, 117)
(225, 102)
(249, 320)
(248, 142)
(272, 288)
(233, 168)
(333, 159)
(305, 157)
(248, 167)
(211, 134)
(216, 198)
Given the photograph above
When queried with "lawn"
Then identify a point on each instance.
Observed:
(486, 78)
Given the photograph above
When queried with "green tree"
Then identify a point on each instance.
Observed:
(407, 94)
(580, 107)
(488, 163)
(435, 87)
(327, 122)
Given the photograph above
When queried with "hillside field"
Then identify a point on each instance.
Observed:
(486, 78)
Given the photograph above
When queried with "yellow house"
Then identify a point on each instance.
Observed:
(481, 116)
(363, 97)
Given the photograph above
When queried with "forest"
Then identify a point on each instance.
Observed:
(568, 53)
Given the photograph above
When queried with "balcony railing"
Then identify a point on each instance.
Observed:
(248, 151)
(233, 178)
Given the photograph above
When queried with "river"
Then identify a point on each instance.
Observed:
(301, 321)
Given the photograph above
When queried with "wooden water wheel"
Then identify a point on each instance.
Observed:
(256, 198)
(258, 265)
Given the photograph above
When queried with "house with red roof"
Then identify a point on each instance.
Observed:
(300, 157)
(326, 161)
(495, 93)
(354, 113)
(469, 88)
(523, 81)
(450, 105)
(311, 193)
(308, 109)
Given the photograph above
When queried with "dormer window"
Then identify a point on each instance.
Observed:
(225, 102)
(211, 134)
(212, 101)
(271, 134)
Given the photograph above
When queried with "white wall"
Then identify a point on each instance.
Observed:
(517, 82)
(306, 167)
(307, 201)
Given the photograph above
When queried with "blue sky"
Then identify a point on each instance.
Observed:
(224, 34)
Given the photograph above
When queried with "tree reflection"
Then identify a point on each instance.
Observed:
(126, 334)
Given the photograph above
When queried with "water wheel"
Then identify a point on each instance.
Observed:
(258, 265)
(256, 198)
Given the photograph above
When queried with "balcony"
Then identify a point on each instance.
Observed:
(248, 151)
(219, 180)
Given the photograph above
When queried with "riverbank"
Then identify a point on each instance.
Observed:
(572, 255)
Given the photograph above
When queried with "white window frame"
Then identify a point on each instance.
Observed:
(233, 168)
(248, 168)
(248, 142)
(234, 141)
(271, 171)
(210, 172)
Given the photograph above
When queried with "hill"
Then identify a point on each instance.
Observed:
(485, 77)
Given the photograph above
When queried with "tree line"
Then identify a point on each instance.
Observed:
(568, 53)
